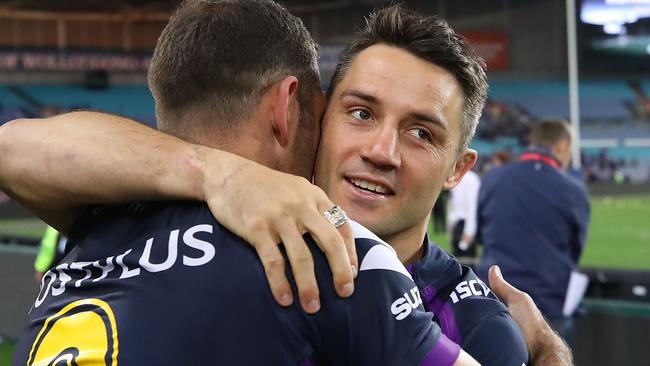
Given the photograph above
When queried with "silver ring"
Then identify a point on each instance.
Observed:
(336, 216)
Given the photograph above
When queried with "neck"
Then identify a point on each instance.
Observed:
(409, 244)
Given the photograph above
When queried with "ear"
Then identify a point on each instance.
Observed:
(463, 164)
(285, 110)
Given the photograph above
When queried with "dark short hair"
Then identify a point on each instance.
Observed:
(214, 60)
(429, 38)
(550, 131)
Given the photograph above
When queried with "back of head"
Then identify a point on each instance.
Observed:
(431, 39)
(550, 132)
(214, 59)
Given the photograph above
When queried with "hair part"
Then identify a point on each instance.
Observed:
(215, 58)
(430, 38)
(550, 131)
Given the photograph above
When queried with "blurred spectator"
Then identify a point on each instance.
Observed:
(640, 108)
(497, 159)
(461, 215)
(532, 221)
(500, 119)
(50, 253)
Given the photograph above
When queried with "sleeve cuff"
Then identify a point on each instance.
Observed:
(443, 353)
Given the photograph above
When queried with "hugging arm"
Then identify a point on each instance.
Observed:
(56, 166)
(545, 347)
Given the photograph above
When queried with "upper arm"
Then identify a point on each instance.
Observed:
(497, 340)
(383, 322)
(482, 323)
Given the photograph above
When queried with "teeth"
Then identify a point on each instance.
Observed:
(369, 186)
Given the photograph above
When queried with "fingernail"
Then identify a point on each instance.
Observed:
(497, 270)
(355, 271)
(313, 306)
(347, 289)
(285, 300)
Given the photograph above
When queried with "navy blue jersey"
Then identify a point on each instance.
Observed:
(533, 220)
(467, 311)
(165, 284)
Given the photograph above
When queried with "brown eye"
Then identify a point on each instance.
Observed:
(421, 134)
(361, 114)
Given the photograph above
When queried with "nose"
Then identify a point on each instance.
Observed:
(382, 148)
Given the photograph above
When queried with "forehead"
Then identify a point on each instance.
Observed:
(399, 78)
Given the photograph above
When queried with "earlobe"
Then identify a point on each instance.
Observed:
(285, 104)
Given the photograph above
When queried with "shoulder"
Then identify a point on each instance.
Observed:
(485, 328)
(374, 253)
(437, 269)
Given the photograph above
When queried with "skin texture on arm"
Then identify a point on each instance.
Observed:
(65, 162)
(544, 345)
(464, 359)
(56, 165)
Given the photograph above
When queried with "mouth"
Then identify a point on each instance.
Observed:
(370, 187)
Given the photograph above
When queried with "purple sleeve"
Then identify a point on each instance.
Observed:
(444, 353)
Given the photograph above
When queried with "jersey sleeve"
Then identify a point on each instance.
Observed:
(383, 322)
(485, 328)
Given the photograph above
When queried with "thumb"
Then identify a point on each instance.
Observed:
(499, 285)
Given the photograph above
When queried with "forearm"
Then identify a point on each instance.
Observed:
(550, 349)
(67, 161)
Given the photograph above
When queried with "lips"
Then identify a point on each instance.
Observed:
(370, 186)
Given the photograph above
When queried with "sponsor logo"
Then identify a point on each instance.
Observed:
(84, 332)
(130, 263)
(469, 288)
(403, 306)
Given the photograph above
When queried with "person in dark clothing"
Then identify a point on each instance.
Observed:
(533, 220)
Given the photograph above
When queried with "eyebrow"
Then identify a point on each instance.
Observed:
(419, 116)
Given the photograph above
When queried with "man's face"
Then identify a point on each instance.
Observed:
(390, 136)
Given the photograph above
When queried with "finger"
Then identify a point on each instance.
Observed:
(348, 238)
(331, 242)
(345, 232)
(273, 261)
(499, 285)
(302, 265)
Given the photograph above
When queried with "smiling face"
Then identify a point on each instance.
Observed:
(390, 140)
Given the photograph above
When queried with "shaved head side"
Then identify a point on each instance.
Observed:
(214, 60)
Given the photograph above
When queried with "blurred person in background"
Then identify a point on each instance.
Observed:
(51, 251)
(461, 218)
(533, 218)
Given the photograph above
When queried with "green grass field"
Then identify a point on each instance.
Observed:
(619, 234)
(6, 351)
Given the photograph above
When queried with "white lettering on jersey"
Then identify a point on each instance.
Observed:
(81, 266)
(172, 253)
(63, 279)
(54, 281)
(403, 306)
(126, 272)
(204, 246)
(105, 269)
(469, 288)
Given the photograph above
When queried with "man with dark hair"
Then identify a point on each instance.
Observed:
(533, 220)
(401, 113)
(166, 284)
